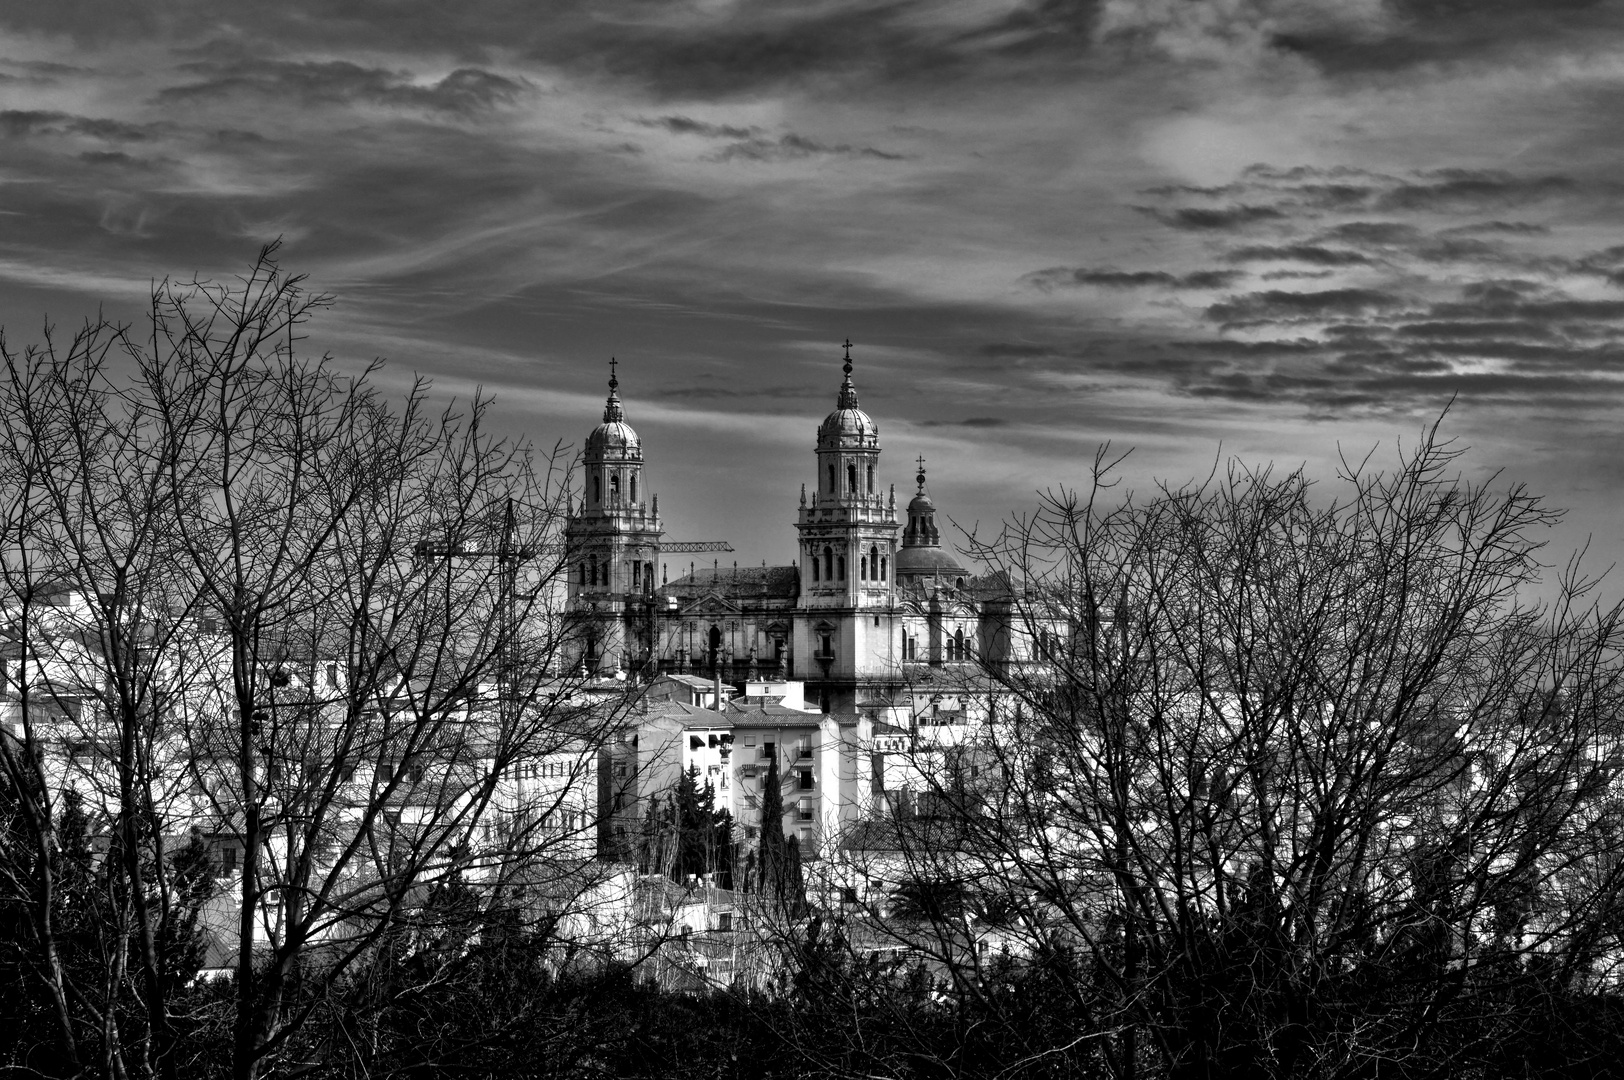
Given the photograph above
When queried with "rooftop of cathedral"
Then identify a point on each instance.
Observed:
(745, 581)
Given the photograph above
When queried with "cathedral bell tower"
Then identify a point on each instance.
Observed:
(848, 532)
(613, 541)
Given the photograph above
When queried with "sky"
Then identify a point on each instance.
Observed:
(1263, 230)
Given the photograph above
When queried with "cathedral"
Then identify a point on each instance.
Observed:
(872, 609)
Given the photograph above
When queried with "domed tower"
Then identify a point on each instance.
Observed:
(848, 535)
(921, 556)
(614, 545)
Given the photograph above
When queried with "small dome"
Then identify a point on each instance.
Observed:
(847, 421)
(612, 435)
(926, 562)
(921, 504)
(850, 421)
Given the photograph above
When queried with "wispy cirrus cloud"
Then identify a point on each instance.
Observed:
(1279, 221)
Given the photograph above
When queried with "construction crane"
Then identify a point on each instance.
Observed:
(683, 546)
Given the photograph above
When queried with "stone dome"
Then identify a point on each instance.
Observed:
(614, 437)
(847, 423)
(923, 561)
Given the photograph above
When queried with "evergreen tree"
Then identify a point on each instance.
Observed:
(779, 866)
(692, 821)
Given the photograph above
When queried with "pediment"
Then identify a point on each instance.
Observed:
(709, 604)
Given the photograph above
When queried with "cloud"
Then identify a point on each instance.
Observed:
(1227, 217)
(794, 147)
(1276, 305)
(465, 90)
(1476, 190)
(29, 123)
(1303, 253)
(683, 125)
(1066, 276)
(969, 422)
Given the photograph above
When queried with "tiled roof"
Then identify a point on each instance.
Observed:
(758, 582)
(772, 716)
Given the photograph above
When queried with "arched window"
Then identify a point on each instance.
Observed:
(871, 479)
(597, 489)
(862, 568)
(814, 566)
(634, 487)
(583, 574)
(958, 645)
(841, 565)
(594, 569)
(614, 485)
(883, 561)
(851, 478)
(829, 563)
(874, 564)
(832, 490)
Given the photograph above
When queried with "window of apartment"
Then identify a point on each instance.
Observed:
(724, 921)
(803, 810)
(805, 780)
(768, 749)
(332, 674)
(803, 748)
(228, 859)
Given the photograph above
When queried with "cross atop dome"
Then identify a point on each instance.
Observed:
(612, 412)
(848, 392)
(921, 477)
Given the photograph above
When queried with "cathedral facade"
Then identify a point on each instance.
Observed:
(873, 610)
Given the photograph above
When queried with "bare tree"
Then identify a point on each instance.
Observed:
(1276, 783)
(313, 626)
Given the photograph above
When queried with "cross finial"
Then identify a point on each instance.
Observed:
(921, 462)
(921, 477)
(847, 347)
(613, 382)
(846, 367)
